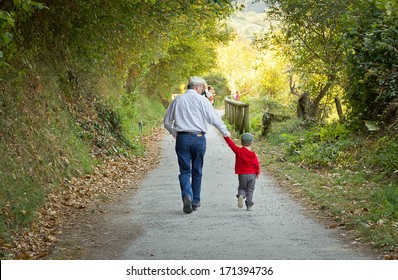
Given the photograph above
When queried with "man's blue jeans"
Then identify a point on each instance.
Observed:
(190, 149)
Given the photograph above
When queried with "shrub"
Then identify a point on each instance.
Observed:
(384, 156)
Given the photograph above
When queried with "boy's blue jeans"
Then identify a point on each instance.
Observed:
(190, 149)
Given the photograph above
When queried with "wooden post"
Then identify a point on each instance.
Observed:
(237, 113)
(246, 120)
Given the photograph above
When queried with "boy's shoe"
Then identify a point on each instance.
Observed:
(240, 201)
(249, 208)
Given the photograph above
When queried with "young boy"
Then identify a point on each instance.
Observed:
(247, 167)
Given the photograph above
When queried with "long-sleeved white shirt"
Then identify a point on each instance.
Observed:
(191, 112)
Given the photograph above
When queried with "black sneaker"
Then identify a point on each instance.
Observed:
(187, 205)
(195, 207)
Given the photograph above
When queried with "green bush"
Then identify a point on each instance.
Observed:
(136, 111)
(384, 156)
(322, 153)
(332, 132)
(286, 132)
(255, 121)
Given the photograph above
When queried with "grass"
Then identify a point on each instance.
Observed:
(351, 180)
(52, 133)
(348, 178)
(20, 195)
(144, 111)
(40, 147)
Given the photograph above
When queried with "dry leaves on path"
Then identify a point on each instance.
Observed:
(115, 176)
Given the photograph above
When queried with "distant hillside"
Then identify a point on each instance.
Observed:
(250, 20)
(253, 7)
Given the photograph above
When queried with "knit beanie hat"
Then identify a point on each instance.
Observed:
(247, 139)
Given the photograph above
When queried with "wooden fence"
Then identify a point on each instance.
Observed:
(237, 114)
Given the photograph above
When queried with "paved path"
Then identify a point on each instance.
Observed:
(276, 229)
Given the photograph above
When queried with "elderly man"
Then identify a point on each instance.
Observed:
(186, 119)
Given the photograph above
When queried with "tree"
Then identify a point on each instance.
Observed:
(237, 61)
(310, 35)
(372, 40)
(126, 38)
(10, 13)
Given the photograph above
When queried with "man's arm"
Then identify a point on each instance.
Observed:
(168, 120)
(214, 119)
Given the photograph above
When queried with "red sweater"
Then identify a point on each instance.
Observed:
(246, 161)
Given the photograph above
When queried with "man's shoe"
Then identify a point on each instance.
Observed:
(195, 207)
(240, 201)
(187, 205)
(249, 208)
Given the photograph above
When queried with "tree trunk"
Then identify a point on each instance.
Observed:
(266, 124)
(339, 109)
(303, 106)
(314, 109)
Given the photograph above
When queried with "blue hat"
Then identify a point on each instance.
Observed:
(247, 139)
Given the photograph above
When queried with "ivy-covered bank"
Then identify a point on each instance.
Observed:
(81, 80)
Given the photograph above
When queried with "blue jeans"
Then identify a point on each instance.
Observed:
(190, 149)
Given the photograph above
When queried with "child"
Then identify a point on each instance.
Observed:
(247, 167)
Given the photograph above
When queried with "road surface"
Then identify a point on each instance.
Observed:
(276, 229)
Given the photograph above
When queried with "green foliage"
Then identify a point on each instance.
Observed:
(353, 179)
(76, 77)
(134, 113)
(373, 60)
(286, 133)
(40, 147)
(272, 82)
(237, 61)
(388, 196)
(310, 34)
(336, 45)
(20, 194)
(11, 14)
(219, 83)
(319, 146)
(332, 132)
(384, 155)
(266, 104)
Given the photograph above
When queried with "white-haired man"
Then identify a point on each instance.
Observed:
(186, 119)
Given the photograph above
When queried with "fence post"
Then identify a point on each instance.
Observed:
(237, 113)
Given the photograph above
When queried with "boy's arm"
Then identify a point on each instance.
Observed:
(231, 144)
(256, 164)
